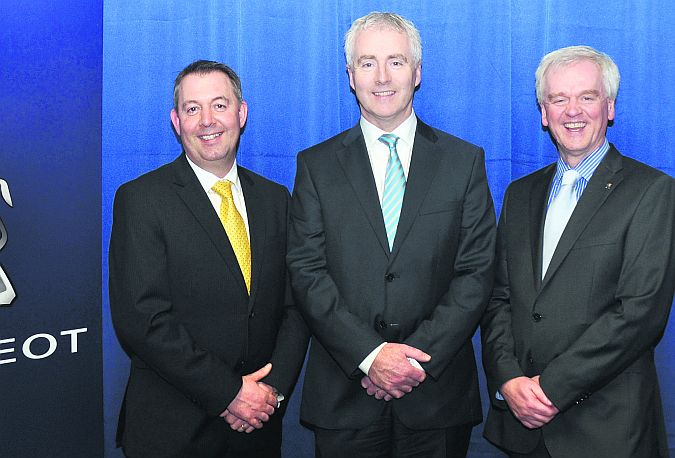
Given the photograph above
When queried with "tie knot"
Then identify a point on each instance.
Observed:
(389, 140)
(570, 177)
(224, 189)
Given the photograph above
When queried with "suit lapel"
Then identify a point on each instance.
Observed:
(603, 182)
(257, 227)
(423, 167)
(190, 191)
(356, 165)
(537, 214)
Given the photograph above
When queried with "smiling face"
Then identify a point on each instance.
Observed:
(209, 119)
(576, 109)
(383, 77)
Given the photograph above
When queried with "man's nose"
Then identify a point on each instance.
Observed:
(383, 74)
(572, 107)
(206, 117)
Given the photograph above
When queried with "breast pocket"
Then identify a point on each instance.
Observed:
(277, 239)
(438, 227)
(432, 206)
(592, 267)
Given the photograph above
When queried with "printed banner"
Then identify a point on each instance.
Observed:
(50, 229)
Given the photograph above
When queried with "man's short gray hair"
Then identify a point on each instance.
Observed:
(571, 55)
(390, 21)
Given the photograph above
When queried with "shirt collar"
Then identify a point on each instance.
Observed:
(405, 131)
(585, 168)
(208, 179)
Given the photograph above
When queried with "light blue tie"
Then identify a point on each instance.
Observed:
(557, 216)
(394, 188)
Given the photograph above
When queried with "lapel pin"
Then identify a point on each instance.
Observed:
(608, 186)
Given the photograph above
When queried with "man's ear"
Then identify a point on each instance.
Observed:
(350, 72)
(243, 113)
(610, 109)
(175, 121)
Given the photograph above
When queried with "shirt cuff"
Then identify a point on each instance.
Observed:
(368, 360)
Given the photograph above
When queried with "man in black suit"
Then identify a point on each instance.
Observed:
(584, 283)
(392, 298)
(200, 311)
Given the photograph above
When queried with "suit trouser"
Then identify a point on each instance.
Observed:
(387, 437)
(219, 441)
(540, 452)
(271, 452)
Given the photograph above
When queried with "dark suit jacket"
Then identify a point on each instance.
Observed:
(591, 326)
(181, 311)
(429, 292)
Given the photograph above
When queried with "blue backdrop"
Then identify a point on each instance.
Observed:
(479, 58)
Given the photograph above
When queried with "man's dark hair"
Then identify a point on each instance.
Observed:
(203, 67)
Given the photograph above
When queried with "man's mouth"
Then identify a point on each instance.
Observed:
(574, 125)
(383, 93)
(210, 136)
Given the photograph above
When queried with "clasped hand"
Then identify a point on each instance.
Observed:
(527, 401)
(254, 403)
(392, 375)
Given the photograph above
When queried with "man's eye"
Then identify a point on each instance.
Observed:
(191, 110)
(367, 65)
(221, 107)
(559, 101)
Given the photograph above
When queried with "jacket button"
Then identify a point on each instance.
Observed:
(536, 317)
(252, 314)
(530, 360)
(389, 277)
(382, 324)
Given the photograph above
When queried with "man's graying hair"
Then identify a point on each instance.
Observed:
(571, 55)
(390, 21)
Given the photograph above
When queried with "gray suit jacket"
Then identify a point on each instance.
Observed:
(429, 292)
(590, 327)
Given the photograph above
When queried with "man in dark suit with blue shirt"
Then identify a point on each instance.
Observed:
(391, 256)
(584, 283)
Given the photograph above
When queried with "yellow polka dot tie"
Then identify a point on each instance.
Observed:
(235, 229)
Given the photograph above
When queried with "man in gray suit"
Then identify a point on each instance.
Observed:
(584, 283)
(391, 250)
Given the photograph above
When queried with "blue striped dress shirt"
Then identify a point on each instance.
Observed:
(585, 169)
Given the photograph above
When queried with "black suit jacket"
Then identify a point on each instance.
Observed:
(590, 327)
(182, 313)
(429, 292)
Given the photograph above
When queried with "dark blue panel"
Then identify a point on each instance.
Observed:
(50, 113)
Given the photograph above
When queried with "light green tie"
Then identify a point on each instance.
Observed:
(394, 188)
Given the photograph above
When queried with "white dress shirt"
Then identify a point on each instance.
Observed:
(378, 152)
